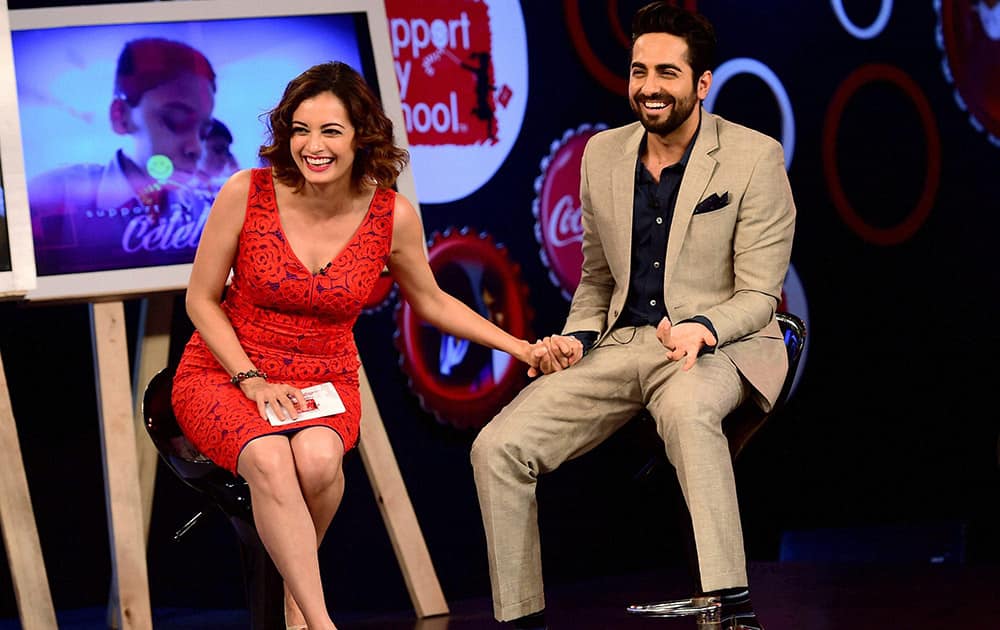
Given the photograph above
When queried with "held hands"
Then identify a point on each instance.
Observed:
(285, 400)
(684, 341)
(550, 354)
(554, 353)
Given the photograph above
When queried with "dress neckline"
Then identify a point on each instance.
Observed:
(288, 244)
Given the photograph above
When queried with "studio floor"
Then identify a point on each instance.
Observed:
(787, 596)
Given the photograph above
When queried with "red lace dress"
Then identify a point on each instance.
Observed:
(294, 325)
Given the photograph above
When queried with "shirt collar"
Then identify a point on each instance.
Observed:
(680, 164)
(114, 188)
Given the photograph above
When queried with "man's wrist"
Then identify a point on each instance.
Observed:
(707, 323)
(585, 337)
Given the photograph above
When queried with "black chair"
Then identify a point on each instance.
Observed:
(739, 426)
(263, 584)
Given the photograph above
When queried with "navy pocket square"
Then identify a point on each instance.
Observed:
(712, 202)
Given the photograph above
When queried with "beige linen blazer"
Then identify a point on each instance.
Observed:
(727, 264)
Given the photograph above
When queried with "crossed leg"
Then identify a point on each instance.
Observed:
(296, 485)
(318, 452)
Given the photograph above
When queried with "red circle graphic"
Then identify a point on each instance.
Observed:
(969, 34)
(611, 80)
(461, 383)
(912, 222)
(556, 207)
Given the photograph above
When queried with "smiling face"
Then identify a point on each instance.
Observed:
(322, 143)
(663, 90)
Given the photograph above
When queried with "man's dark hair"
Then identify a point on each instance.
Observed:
(693, 28)
(218, 129)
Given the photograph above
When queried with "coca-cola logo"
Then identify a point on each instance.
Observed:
(462, 383)
(558, 224)
(461, 66)
(565, 226)
(969, 34)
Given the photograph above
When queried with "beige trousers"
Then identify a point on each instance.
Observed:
(563, 415)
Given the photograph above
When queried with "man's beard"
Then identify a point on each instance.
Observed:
(679, 113)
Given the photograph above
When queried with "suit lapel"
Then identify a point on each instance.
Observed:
(699, 170)
(623, 191)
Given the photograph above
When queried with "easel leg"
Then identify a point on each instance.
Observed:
(24, 553)
(397, 511)
(152, 354)
(121, 487)
(152, 350)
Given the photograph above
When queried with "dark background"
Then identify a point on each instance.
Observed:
(886, 453)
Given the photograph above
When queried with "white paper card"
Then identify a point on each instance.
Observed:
(320, 400)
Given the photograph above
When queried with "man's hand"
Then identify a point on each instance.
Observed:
(684, 341)
(555, 353)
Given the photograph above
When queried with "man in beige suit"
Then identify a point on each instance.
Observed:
(688, 223)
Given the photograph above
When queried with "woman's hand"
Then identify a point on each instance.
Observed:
(523, 351)
(529, 354)
(285, 400)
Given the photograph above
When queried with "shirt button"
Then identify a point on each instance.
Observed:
(652, 302)
(656, 264)
(659, 220)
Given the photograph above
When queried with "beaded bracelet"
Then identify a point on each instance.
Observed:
(242, 376)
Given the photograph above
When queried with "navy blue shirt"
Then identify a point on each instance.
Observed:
(652, 210)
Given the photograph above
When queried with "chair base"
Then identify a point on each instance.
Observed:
(706, 610)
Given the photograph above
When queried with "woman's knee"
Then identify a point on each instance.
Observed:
(267, 464)
(319, 458)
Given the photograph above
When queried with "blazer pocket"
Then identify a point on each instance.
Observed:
(713, 202)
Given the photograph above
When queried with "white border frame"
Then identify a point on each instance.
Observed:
(135, 282)
(21, 277)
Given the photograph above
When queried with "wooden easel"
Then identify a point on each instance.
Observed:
(151, 355)
(129, 579)
(17, 519)
(130, 467)
(397, 511)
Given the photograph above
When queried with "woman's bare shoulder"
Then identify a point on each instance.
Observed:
(238, 183)
(404, 210)
(232, 197)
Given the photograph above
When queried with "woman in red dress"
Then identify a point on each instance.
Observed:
(306, 240)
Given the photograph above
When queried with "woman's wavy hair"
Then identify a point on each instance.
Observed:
(376, 158)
